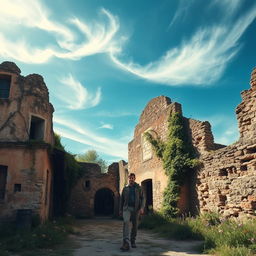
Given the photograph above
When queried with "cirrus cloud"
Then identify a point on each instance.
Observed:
(98, 37)
(75, 95)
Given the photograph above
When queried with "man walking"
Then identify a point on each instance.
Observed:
(131, 206)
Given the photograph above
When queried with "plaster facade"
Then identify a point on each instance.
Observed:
(26, 136)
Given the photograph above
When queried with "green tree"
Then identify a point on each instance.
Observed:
(91, 156)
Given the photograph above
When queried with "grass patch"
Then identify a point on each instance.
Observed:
(43, 237)
(221, 237)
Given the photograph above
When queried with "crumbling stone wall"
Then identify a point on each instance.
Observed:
(28, 97)
(29, 169)
(83, 195)
(226, 180)
(143, 161)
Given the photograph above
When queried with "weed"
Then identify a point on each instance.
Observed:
(222, 237)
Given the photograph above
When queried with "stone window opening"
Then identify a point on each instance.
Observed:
(17, 188)
(36, 128)
(3, 179)
(147, 151)
(5, 84)
(87, 185)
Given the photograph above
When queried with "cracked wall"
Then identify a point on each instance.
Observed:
(27, 160)
(226, 181)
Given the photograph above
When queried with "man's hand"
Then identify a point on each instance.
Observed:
(141, 211)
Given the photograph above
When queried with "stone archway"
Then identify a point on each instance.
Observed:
(148, 193)
(104, 202)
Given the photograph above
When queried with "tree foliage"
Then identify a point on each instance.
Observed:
(177, 159)
(91, 156)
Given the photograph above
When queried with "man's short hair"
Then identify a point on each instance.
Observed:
(132, 174)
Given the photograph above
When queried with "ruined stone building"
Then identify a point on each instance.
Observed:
(31, 171)
(26, 135)
(97, 193)
(226, 180)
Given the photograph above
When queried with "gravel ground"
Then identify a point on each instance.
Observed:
(98, 237)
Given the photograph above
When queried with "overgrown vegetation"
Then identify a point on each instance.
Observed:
(177, 158)
(30, 242)
(72, 169)
(91, 156)
(220, 236)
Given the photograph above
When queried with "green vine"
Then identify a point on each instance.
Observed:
(177, 159)
(72, 169)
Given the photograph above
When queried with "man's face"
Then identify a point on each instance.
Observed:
(131, 180)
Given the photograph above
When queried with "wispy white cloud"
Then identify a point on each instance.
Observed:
(200, 60)
(98, 36)
(75, 95)
(230, 135)
(68, 128)
(107, 126)
(181, 12)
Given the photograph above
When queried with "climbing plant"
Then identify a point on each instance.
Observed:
(72, 169)
(177, 158)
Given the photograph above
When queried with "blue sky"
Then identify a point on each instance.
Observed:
(103, 60)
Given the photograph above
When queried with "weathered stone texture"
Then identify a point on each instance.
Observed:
(227, 181)
(246, 111)
(29, 168)
(28, 97)
(200, 135)
(82, 198)
(143, 161)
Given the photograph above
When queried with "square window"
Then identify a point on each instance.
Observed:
(17, 187)
(5, 83)
(87, 185)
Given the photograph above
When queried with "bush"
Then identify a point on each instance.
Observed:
(46, 235)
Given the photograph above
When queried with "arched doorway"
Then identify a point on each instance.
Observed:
(147, 189)
(104, 202)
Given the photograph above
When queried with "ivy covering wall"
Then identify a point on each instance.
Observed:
(177, 157)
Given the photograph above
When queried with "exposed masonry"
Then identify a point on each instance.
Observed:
(226, 180)
(25, 157)
(83, 198)
(28, 96)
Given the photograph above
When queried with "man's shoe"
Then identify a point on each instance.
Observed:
(133, 245)
(125, 246)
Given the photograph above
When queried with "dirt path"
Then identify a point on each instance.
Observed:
(100, 237)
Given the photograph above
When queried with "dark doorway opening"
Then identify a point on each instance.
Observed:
(104, 202)
(148, 193)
